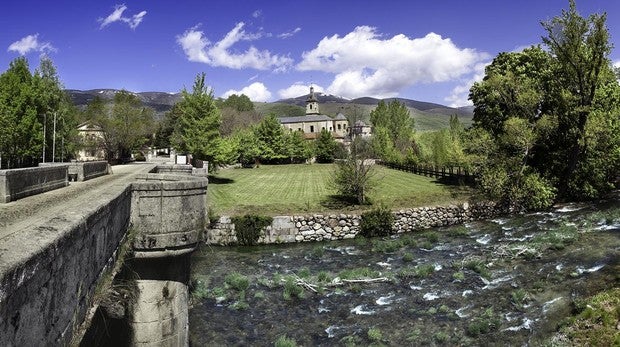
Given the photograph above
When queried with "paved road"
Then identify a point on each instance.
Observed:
(38, 209)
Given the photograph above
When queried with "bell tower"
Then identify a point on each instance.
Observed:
(312, 104)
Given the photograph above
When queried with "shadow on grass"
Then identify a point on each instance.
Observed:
(220, 180)
(340, 202)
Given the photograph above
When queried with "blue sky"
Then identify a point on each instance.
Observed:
(423, 50)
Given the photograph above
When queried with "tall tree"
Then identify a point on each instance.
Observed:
(127, 125)
(199, 122)
(271, 140)
(394, 126)
(581, 47)
(563, 103)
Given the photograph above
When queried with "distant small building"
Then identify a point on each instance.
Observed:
(360, 128)
(91, 138)
(313, 122)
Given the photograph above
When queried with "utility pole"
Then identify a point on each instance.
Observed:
(54, 141)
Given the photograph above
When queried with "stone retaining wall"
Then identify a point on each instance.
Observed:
(20, 183)
(318, 227)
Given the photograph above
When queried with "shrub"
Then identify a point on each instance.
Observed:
(248, 228)
(377, 222)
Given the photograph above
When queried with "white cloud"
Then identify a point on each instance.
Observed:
(117, 16)
(198, 48)
(31, 43)
(617, 64)
(366, 64)
(255, 91)
(288, 34)
(298, 89)
(460, 94)
(257, 13)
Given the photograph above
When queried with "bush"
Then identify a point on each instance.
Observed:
(291, 289)
(377, 222)
(248, 228)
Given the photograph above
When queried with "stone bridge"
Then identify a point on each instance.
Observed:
(59, 248)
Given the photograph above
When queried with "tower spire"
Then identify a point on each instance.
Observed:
(312, 104)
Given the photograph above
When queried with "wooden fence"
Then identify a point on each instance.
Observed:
(456, 173)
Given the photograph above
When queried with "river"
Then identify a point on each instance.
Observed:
(506, 281)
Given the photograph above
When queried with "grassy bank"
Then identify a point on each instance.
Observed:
(287, 189)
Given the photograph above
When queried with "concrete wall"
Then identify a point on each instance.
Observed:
(83, 170)
(19, 183)
(285, 229)
(46, 295)
(91, 169)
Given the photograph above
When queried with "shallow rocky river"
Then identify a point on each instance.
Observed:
(507, 281)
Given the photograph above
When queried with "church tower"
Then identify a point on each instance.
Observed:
(312, 104)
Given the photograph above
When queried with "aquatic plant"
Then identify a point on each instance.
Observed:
(375, 335)
(198, 288)
(441, 337)
(284, 341)
(323, 277)
(358, 273)
(431, 236)
(488, 321)
(291, 289)
(237, 281)
(458, 276)
(408, 257)
(386, 246)
(478, 266)
(519, 298)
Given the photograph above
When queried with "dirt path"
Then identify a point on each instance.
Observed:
(39, 208)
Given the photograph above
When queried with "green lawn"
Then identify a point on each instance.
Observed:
(301, 189)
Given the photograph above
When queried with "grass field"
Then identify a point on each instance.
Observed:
(290, 189)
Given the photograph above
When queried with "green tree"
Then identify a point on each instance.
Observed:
(392, 129)
(247, 147)
(325, 147)
(167, 127)
(567, 100)
(28, 105)
(127, 125)
(298, 148)
(353, 176)
(581, 48)
(271, 140)
(236, 102)
(198, 131)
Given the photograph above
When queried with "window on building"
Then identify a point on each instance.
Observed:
(339, 125)
(330, 129)
(312, 128)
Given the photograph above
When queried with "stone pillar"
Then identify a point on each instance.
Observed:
(159, 315)
(169, 215)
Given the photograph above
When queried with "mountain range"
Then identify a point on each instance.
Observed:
(427, 115)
